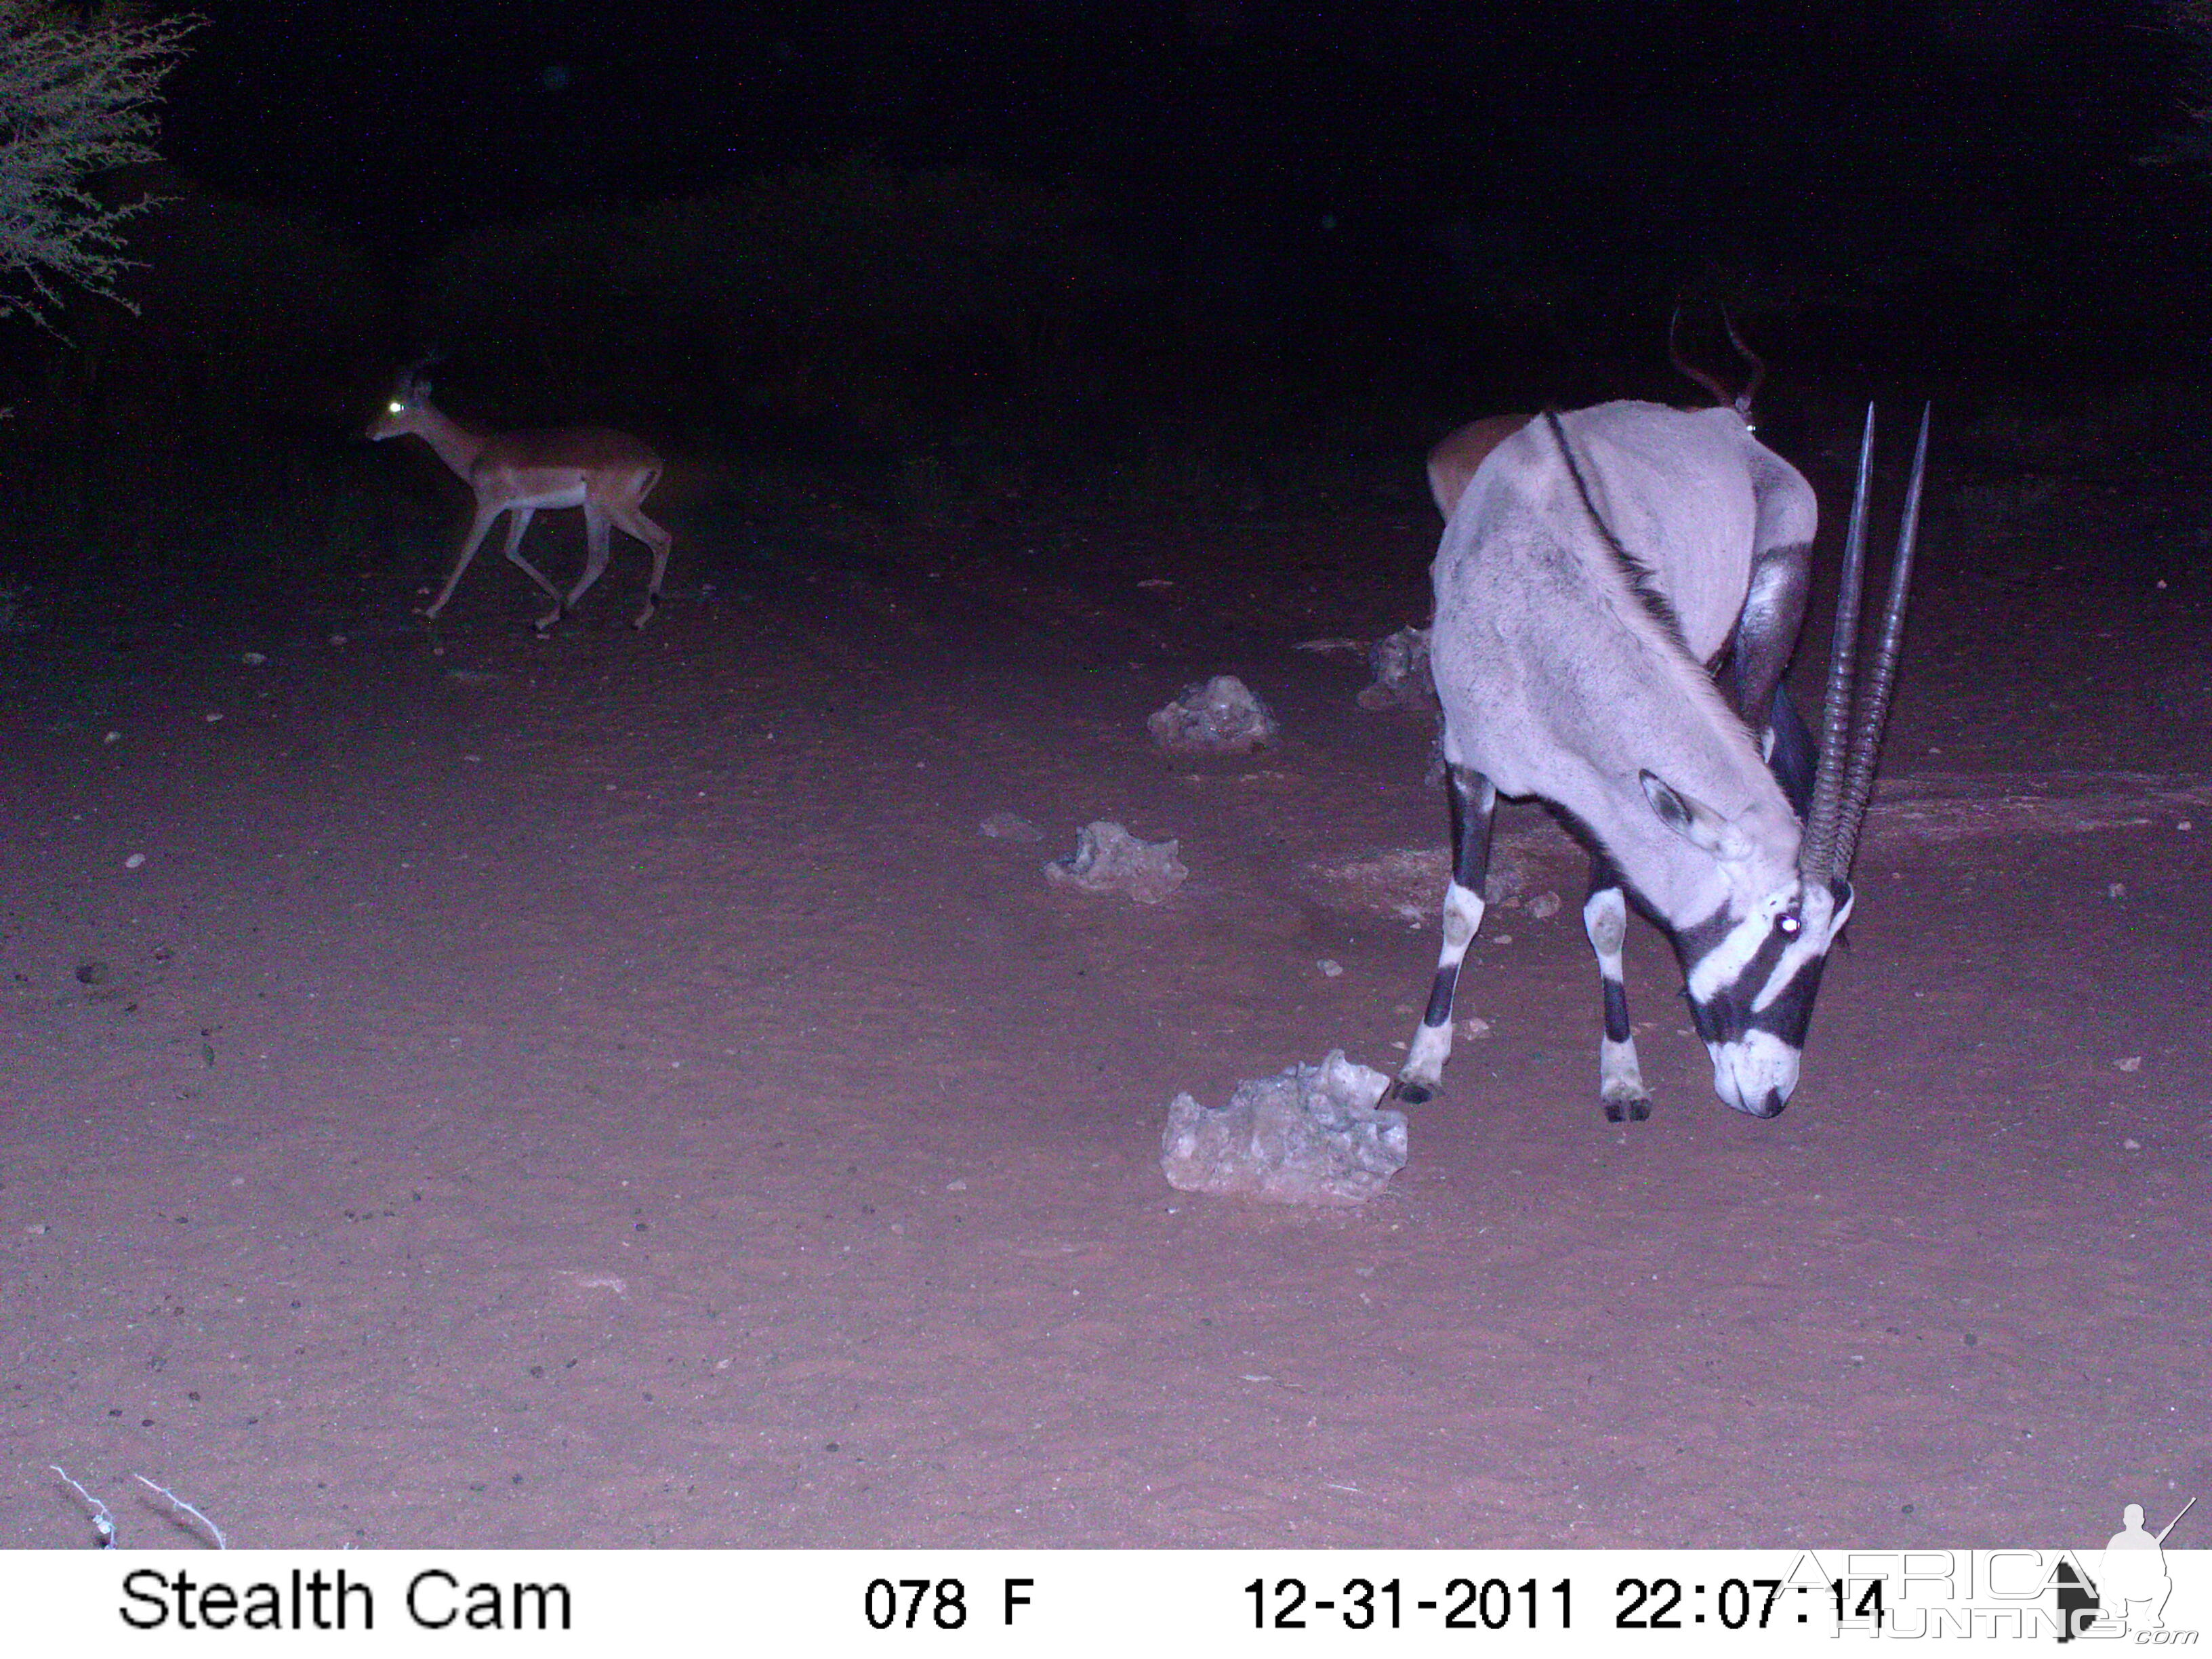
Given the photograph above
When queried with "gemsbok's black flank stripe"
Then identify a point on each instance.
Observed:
(1642, 580)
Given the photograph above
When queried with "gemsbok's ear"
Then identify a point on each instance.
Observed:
(1692, 820)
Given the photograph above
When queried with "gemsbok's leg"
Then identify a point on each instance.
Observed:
(1620, 1079)
(1474, 807)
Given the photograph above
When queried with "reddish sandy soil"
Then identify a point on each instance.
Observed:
(605, 1091)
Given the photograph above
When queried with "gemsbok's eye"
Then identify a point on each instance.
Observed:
(1787, 922)
(398, 408)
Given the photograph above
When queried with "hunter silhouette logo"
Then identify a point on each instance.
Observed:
(2132, 1585)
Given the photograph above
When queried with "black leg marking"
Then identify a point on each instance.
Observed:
(1473, 816)
(1791, 753)
(1438, 1011)
(1474, 800)
(1616, 1012)
(1604, 920)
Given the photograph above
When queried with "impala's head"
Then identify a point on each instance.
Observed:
(1751, 969)
(403, 405)
(1740, 402)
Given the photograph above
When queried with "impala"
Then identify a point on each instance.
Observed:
(608, 474)
(1453, 463)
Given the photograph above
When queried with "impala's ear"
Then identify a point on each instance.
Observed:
(1692, 820)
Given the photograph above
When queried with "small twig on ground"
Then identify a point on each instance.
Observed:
(214, 1531)
(103, 1523)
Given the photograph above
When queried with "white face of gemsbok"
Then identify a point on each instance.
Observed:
(1751, 982)
(1751, 966)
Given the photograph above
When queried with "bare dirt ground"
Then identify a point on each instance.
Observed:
(606, 1093)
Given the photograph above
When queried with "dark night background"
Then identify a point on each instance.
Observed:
(1221, 242)
(468, 1085)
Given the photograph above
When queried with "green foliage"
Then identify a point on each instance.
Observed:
(75, 102)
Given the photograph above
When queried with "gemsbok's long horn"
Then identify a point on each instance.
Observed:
(1816, 857)
(1881, 677)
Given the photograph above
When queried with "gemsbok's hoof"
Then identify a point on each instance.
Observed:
(1633, 1110)
(1414, 1091)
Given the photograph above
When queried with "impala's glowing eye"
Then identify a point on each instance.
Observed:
(398, 408)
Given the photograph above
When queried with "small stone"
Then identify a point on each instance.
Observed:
(1402, 677)
(2132, 1063)
(112, 736)
(1501, 938)
(255, 660)
(1330, 968)
(1007, 826)
(1474, 1026)
(212, 719)
(958, 1184)
(2117, 889)
(1108, 859)
(1312, 1134)
(1544, 905)
(2131, 1145)
(338, 639)
(134, 860)
(1221, 717)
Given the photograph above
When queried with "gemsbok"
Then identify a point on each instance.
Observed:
(1618, 591)
(608, 474)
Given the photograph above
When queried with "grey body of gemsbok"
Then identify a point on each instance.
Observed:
(1618, 593)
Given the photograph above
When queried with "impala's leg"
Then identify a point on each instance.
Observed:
(519, 523)
(596, 547)
(1605, 918)
(631, 517)
(470, 543)
(1474, 806)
